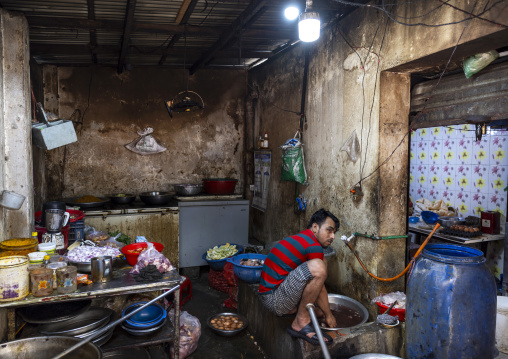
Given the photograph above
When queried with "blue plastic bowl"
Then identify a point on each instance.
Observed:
(414, 219)
(147, 317)
(430, 217)
(248, 274)
(218, 264)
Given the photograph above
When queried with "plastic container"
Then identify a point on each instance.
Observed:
(414, 219)
(66, 279)
(77, 231)
(249, 274)
(219, 185)
(132, 257)
(429, 217)
(18, 247)
(36, 257)
(11, 200)
(41, 282)
(399, 312)
(49, 248)
(451, 305)
(218, 264)
(13, 278)
(502, 324)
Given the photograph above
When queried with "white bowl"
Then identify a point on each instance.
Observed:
(36, 256)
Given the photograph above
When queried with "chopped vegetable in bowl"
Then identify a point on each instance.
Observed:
(224, 251)
(86, 253)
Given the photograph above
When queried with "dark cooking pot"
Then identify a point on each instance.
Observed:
(156, 198)
(122, 198)
(219, 185)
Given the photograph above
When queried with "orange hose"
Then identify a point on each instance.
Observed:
(408, 266)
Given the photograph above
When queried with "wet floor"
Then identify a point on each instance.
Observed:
(206, 302)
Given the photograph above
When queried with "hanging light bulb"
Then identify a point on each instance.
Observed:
(291, 12)
(309, 24)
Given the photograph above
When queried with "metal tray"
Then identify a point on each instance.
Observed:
(103, 339)
(53, 312)
(72, 202)
(93, 318)
(130, 353)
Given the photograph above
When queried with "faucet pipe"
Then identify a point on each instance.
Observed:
(356, 234)
(313, 318)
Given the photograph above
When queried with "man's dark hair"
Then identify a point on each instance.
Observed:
(320, 217)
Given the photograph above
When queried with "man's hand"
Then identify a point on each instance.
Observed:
(330, 321)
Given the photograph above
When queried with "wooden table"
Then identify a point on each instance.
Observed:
(122, 283)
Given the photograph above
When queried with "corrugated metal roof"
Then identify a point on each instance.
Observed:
(67, 31)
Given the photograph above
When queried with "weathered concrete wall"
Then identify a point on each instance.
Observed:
(15, 127)
(344, 84)
(114, 107)
(15, 130)
(39, 154)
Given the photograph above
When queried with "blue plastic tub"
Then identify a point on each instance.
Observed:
(219, 263)
(414, 219)
(248, 274)
(150, 316)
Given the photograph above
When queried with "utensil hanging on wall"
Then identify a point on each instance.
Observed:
(185, 101)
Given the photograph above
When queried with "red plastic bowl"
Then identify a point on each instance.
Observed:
(132, 259)
(399, 312)
(219, 185)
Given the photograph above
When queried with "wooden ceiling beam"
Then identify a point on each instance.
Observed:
(93, 35)
(254, 7)
(188, 12)
(44, 49)
(127, 29)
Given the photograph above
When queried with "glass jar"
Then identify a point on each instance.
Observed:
(66, 279)
(54, 266)
(42, 281)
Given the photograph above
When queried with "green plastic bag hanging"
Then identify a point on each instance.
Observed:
(478, 62)
(293, 164)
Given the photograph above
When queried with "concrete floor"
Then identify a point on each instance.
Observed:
(207, 301)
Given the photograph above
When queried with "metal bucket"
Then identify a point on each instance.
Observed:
(48, 347)
(13, 278)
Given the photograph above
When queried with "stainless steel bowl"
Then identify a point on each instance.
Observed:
(122, 198)
(156, 198)
(450, 221)
(227, 333)
(48, 347)
(188, 189)
(337, 299)
(143, 332)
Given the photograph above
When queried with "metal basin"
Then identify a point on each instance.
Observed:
(336, 299)
(450, 221)
(47, 347)
(187, 189)
(156, 198)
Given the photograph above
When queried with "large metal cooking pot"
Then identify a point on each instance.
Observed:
(188, 189)
(48, 347)
(122, 198)
(156, 198)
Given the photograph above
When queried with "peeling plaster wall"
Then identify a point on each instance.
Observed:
(198, 145)
(343, 95)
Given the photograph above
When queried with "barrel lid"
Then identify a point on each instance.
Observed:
(453, 253)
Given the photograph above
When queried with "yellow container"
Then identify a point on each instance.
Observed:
(13, 278)
(18, 246)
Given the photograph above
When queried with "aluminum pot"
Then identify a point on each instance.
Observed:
(156, 198)
(188, 189)
(450, 221)
(47, 347)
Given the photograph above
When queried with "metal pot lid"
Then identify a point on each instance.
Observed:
(53, 312)
(91, 319)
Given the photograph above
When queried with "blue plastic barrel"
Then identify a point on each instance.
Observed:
(451, 305)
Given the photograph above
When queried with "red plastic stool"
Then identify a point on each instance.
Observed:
(185, 291)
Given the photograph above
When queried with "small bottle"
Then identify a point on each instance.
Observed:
(45, 262)
(265, 141)
(35, 235)
(260, 142)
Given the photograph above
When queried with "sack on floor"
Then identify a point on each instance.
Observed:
(190, 331)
